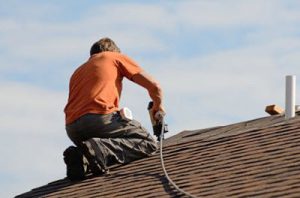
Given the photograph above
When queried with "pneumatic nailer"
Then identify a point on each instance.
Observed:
(159, 127)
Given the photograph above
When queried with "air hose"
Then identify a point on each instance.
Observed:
(163, 165)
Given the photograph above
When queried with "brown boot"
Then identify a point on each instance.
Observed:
(74, 161)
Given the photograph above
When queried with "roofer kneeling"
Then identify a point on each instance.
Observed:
(93, 121)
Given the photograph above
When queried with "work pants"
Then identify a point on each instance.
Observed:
(118, 141)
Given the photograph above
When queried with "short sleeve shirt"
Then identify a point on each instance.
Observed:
(96, 86)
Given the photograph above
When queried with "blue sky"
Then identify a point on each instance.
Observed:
(219, 62)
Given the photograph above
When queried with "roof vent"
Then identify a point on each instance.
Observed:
(297, 108)
(290, 96)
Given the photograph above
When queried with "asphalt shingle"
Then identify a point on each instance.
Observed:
(257, 158)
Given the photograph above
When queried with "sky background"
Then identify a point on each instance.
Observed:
(218, 62)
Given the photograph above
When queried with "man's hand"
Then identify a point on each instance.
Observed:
(158, 113)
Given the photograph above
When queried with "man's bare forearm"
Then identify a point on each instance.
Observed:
(156, 96)
(154, 89)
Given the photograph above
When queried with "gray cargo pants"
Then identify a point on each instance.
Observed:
(119, 141)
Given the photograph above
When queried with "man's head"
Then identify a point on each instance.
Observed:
(104, 44)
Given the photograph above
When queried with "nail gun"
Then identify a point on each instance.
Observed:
(157, 122)
(159, 129)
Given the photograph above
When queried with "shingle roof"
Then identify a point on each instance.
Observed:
(258, 158)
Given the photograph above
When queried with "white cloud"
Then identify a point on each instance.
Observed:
(37, 41)
(135, 26)
(228, 86)
(221, 14)
(25, 102)
(33, 136)
(134, 16)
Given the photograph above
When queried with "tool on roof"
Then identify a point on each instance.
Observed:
(156, 121)
(159, 129)
(274, 109)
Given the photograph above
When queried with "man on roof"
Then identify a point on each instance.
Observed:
(93, 112)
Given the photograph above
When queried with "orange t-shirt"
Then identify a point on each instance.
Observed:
(95, 87)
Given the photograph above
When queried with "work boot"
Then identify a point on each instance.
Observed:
(76, 165)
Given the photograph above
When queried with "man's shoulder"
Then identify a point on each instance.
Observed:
(115, 55)
(109, 54)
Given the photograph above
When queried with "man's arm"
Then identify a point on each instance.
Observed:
(153, 88)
